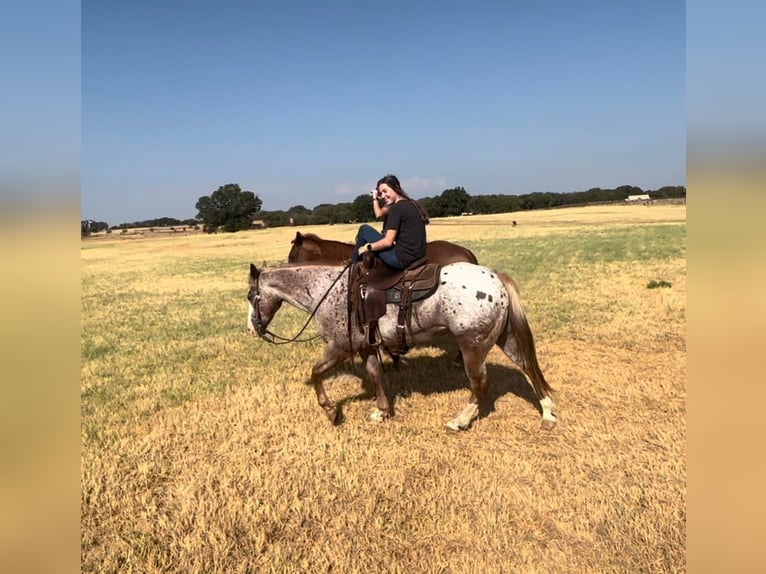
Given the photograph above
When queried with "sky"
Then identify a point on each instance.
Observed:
(306, 103)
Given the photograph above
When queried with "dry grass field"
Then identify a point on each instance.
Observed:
(203, 450)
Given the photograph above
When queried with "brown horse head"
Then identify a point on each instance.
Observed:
(309, 247)
(295, 250)
(306, 248)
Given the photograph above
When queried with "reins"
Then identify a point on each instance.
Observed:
(275, 339)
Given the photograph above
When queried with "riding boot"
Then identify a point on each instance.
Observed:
(373, 334)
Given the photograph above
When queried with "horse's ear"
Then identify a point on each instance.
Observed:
(298, 238)
(254, 272)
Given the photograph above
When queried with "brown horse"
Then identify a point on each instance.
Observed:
(309, 247)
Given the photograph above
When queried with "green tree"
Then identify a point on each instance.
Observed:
(228, 207)
(322, 214)
(361, 209)
(275, 218)
(300, 217)
(342, 214)
(432, 206)
(329, 213)
(668, 191)
(453, 201)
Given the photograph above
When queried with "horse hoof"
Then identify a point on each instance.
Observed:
(378, 416)
(548, 424)
(454, 426)
(333, 413)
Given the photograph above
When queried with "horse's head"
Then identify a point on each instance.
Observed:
(304, 251)
(262, 303)
(295, 250)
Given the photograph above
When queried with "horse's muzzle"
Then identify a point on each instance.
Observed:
(255, 326)
(251, 326)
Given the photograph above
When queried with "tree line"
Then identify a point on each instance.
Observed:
(229, 208)
(159, 222)
(457, 201)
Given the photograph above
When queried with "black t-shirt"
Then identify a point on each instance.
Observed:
(410, 231)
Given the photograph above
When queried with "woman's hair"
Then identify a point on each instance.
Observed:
(393, 182)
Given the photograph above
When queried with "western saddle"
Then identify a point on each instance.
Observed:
(374, 284)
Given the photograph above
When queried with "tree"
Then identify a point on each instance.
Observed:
(300, 217)
(88, 226)
(228, 207)
(453, 201)
(668, 191)
(328, 213)
(275, 218)
(361, 208)
(432, 206)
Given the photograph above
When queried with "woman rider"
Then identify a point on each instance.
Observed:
(403, 240)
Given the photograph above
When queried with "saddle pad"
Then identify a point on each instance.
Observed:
(394, 295)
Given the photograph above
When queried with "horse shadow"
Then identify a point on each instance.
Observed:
(428, 375)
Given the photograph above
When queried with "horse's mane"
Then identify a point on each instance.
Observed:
(330, 249)
(316, 239)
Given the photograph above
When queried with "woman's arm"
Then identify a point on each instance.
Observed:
(380, 212)
(381, 244)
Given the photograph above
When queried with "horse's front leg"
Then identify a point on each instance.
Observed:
(332, 356)
(374, 368)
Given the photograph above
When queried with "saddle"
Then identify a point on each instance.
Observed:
(374, 284)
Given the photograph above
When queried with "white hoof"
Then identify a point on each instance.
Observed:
(549, 424)
(549, 419)
(464, 418)
(454, 426)
(378, 416)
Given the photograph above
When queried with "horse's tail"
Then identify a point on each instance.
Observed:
(517, 340)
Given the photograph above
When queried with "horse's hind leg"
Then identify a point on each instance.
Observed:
(526, 358)
(518, 344)
(475, 366)
(332, 356)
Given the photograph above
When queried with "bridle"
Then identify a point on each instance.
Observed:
(273, 338)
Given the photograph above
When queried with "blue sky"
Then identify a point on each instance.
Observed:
(311, 102)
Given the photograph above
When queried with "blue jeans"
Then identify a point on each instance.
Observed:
(368, 234)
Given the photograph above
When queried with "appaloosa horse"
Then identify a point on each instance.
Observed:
(309, 247)
(475, 306)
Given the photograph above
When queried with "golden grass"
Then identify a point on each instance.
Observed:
(203, 451)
